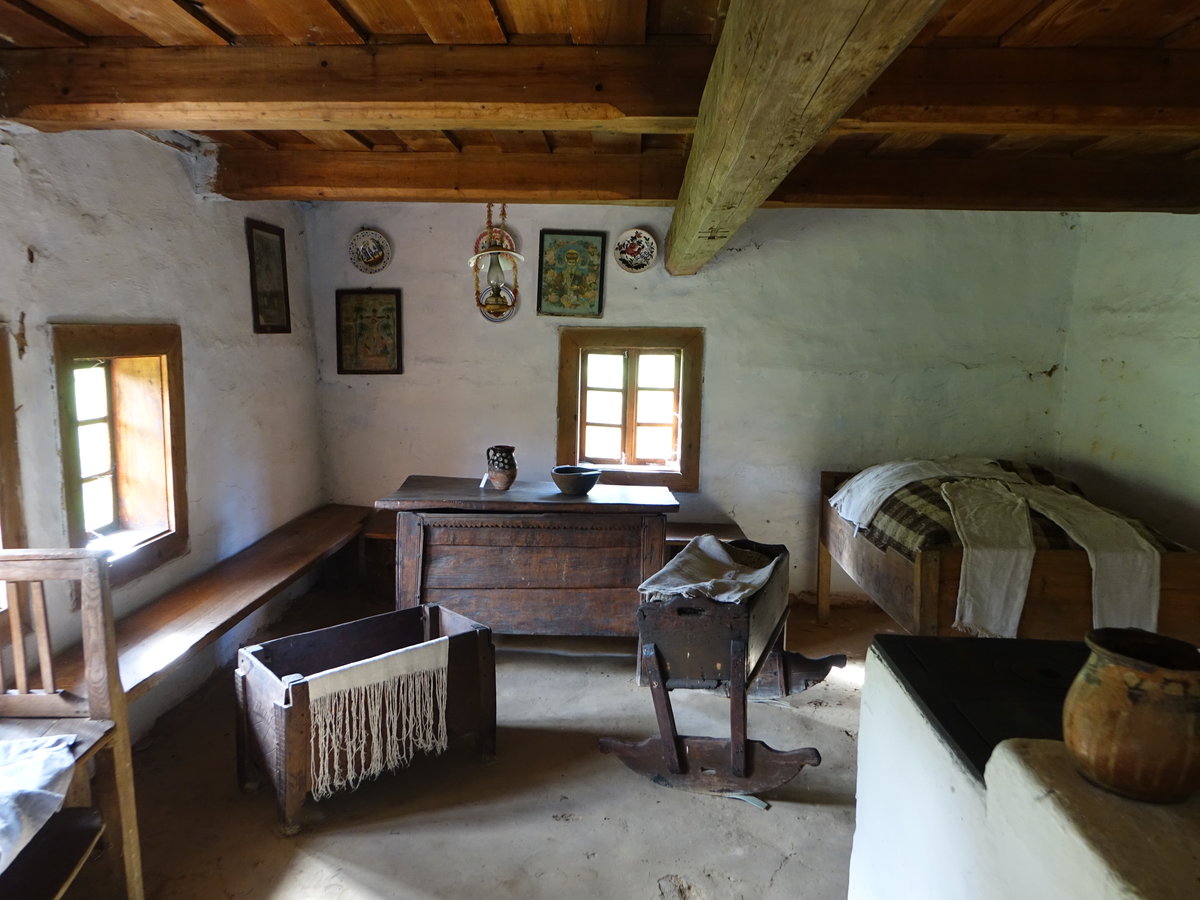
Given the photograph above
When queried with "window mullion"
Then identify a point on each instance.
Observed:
(629, 428)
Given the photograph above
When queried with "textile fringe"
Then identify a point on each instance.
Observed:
(361, 732)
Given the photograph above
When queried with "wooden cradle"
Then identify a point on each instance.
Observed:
(921, 595)
(274, 732)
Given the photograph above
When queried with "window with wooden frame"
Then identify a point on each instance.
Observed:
(629, 403)
(12, 520)
(120, 393)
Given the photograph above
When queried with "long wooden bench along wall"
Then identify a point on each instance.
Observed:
(159, 636)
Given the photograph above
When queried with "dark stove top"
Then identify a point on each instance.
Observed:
(980, 691)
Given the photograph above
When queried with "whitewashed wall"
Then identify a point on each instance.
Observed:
(1130, 423)
(835, 339)
(117, 233)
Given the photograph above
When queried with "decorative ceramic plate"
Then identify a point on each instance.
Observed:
(370, 251)
(635, 250)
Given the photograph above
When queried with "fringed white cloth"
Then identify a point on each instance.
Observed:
(374, 715)
(993, 525)
(707, 567)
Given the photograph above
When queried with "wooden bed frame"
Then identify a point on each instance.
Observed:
(921, 595)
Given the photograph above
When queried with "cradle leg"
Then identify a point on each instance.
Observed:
(824, 571)
(293, 726)
(737, 709)
(662, 709)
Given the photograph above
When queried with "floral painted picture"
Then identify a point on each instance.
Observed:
(571, 274)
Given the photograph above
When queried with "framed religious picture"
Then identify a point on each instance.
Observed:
(571, 273)
(268, 278)
(368, 332)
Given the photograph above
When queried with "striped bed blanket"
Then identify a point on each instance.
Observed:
(916, 517)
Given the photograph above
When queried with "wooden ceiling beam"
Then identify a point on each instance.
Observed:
(653, 179)
(782, 75)
(1047, 91)
(629, 89)
(996, 183)
(449, 177)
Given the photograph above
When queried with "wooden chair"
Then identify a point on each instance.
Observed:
(49, 863)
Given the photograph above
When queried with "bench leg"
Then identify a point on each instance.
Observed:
(114, 795)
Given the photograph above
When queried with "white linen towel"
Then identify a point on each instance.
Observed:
(705, 566)
(860, 497)
(34, 776)
(1125, 566)
(993, 525)
(374, 715)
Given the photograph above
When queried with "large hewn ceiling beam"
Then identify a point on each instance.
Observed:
(783, 74)
(654, 179)
(378, 87)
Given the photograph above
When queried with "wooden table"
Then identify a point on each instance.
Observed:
(529, 560)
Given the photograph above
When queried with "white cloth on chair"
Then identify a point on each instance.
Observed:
(1126, 568)
(34, 776)
(707, 566)
(375, 714)
(993, 525)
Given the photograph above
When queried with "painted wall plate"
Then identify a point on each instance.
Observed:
(495, 309)
(635, 250)
(370, 251)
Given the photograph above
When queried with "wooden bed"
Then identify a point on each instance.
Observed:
(921, 595)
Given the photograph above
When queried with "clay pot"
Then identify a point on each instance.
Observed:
(1131, 718)
(501, 466)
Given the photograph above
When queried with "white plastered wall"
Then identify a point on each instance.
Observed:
(108, 227)
(834, 339)
(1129, 429)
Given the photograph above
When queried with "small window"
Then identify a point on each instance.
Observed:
(629, 403)
(121, 405)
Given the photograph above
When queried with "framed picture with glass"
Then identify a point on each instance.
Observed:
(368, 332)
(571, 273)
(268, 278)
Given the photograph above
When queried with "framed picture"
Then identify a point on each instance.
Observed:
(368, 332)
(268, 278)
(571, 273)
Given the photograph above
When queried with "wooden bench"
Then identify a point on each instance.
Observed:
(157, 637)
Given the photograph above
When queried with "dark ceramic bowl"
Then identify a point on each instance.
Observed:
(577, 480)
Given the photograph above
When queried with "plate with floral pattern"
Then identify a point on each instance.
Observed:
(370, 251)
(635, 250)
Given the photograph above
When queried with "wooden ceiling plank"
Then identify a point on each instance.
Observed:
(378, 87)
(246, 20)
(88, 18)
(164, 21)
(1055, 91)
(699, 18)
(904, 144)
(1061, 184)
(302, 21)
(461, 22)
(780, 78)
(529, 17)
(513, 178)
(1130, 145)
(384, 17)
(427, 141)
(22, 28)
(616, 142)
(1066, 23)
(334, 140)
(987, 18)
(615, 22)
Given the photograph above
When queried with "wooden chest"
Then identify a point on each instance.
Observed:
(693, 635)
(274, 725)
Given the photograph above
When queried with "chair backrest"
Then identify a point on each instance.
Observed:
(30, 690)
